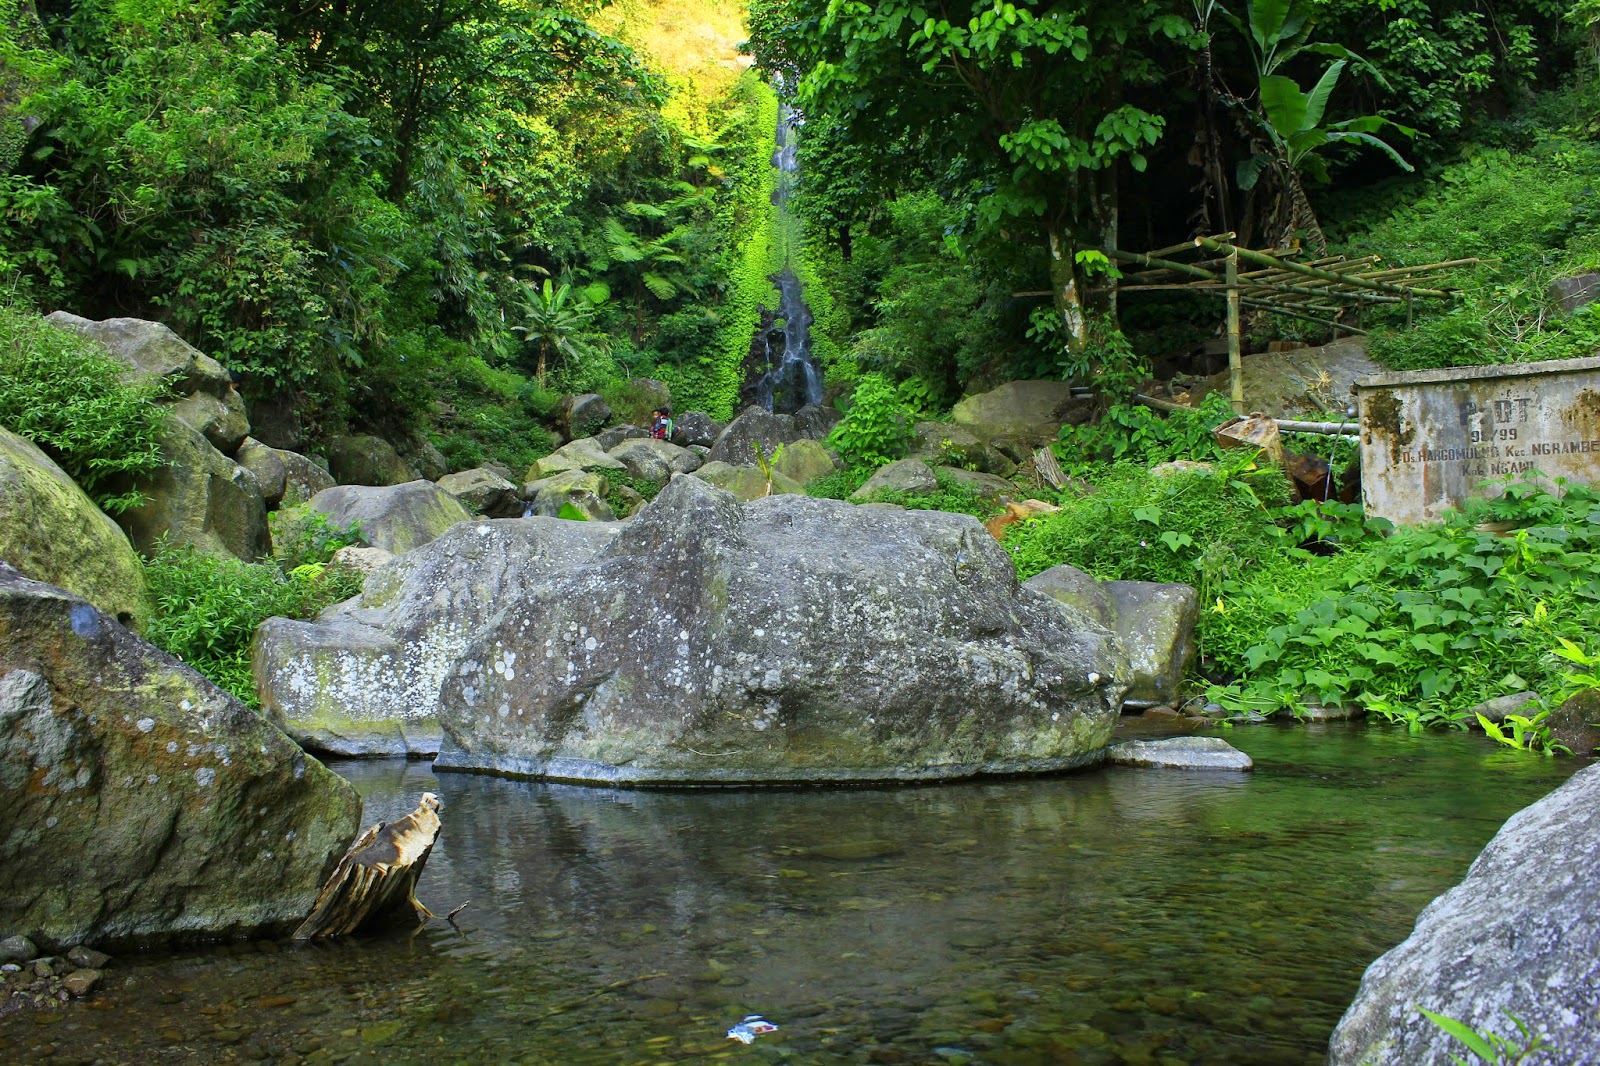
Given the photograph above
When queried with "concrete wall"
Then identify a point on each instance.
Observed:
(1432, 438)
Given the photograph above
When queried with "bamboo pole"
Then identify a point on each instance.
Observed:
(1235, 357)
(1265, 305)
(1314, 272)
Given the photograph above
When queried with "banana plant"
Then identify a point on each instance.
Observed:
(1293, 121)
(556, 318)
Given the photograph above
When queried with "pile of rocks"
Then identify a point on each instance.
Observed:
(30, 978)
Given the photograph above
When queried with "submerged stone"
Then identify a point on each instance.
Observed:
(1180, 753)
(789, 639)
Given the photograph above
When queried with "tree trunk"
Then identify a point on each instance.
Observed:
(377, 876)
(1067, 287)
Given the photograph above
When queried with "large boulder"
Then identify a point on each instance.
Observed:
(362, 459)
(286, 478)
(272, 474)
(584, 415)
(746, 483)
(1299, 382)
(947, 444)
(151, 350)
(815, 422)
(695, 427)
(423, 456)
(200, 499)
(364, 678)
(584, 492)
(1154, 621)
(484, 491)
(1035, 410)
(988, 488)
(1521, 934)
(805, 461)
(396, 518)
(655, 460)
(585, 453)
(52, 532)
(907, 475)
(787, 640)
(220, 421)
(755, 426)
(141, 801)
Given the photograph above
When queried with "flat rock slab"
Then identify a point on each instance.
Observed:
(1180, 753)
(1521, 934)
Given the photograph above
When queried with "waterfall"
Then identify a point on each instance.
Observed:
(789, 378)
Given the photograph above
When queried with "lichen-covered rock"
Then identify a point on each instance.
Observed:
(484, 491)
(151, 350)
(736, 445)
(362, 459)
(947, 444)
(790, 639)
(1300, 382)
(585, 415)
(695, 428)
(907, 475)
(142, 802)
(1155, 622)
(1180, 753)
(1520, 934)
(267, 464)
(221, 421)
(612, 436)
(303, 478)
(54, 533)
(655, 460)
(989, 488)
(201, 499)
(584, 453)
(804, 461)
(396, 518)
(584, 492)
(747, 483)
(815, 422)
(1032, 409)
(364, 678)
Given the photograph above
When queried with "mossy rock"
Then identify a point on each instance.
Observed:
(52, 532)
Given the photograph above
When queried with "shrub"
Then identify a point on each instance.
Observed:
(207, 608)
(876, 430)
(69, 396)
(1424, 624)
(1131, 433)
(1195, 527)
(951, 496)
(302, 536)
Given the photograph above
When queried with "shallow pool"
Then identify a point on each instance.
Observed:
(1111, 916)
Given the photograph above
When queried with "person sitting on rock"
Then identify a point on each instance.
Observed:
(661, 423)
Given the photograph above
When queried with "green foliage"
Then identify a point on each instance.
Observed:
(877, 427)
(1422, 624)
(1190, 526)
(494, 414)
(207, 608)
(618, 480)
(1131, 433)
(70, 397)
(950, 496)
(302, 536)
(1491, 1049)
(840, 484)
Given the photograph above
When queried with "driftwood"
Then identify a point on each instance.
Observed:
(377, 875)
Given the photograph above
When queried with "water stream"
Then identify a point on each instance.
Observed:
(1111, 916)
(790, 379)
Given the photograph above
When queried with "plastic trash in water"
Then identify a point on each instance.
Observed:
(754, 1025)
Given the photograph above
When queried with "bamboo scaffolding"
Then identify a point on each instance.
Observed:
(1317, 272)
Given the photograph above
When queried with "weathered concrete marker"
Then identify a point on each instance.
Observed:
(1431, 438)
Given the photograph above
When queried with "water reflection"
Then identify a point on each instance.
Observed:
(1112, 916)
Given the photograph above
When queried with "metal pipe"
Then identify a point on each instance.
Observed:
(1286, 425)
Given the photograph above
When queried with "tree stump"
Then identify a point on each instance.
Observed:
(377, 875)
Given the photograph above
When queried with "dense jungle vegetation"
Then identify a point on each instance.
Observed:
(439, 217)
